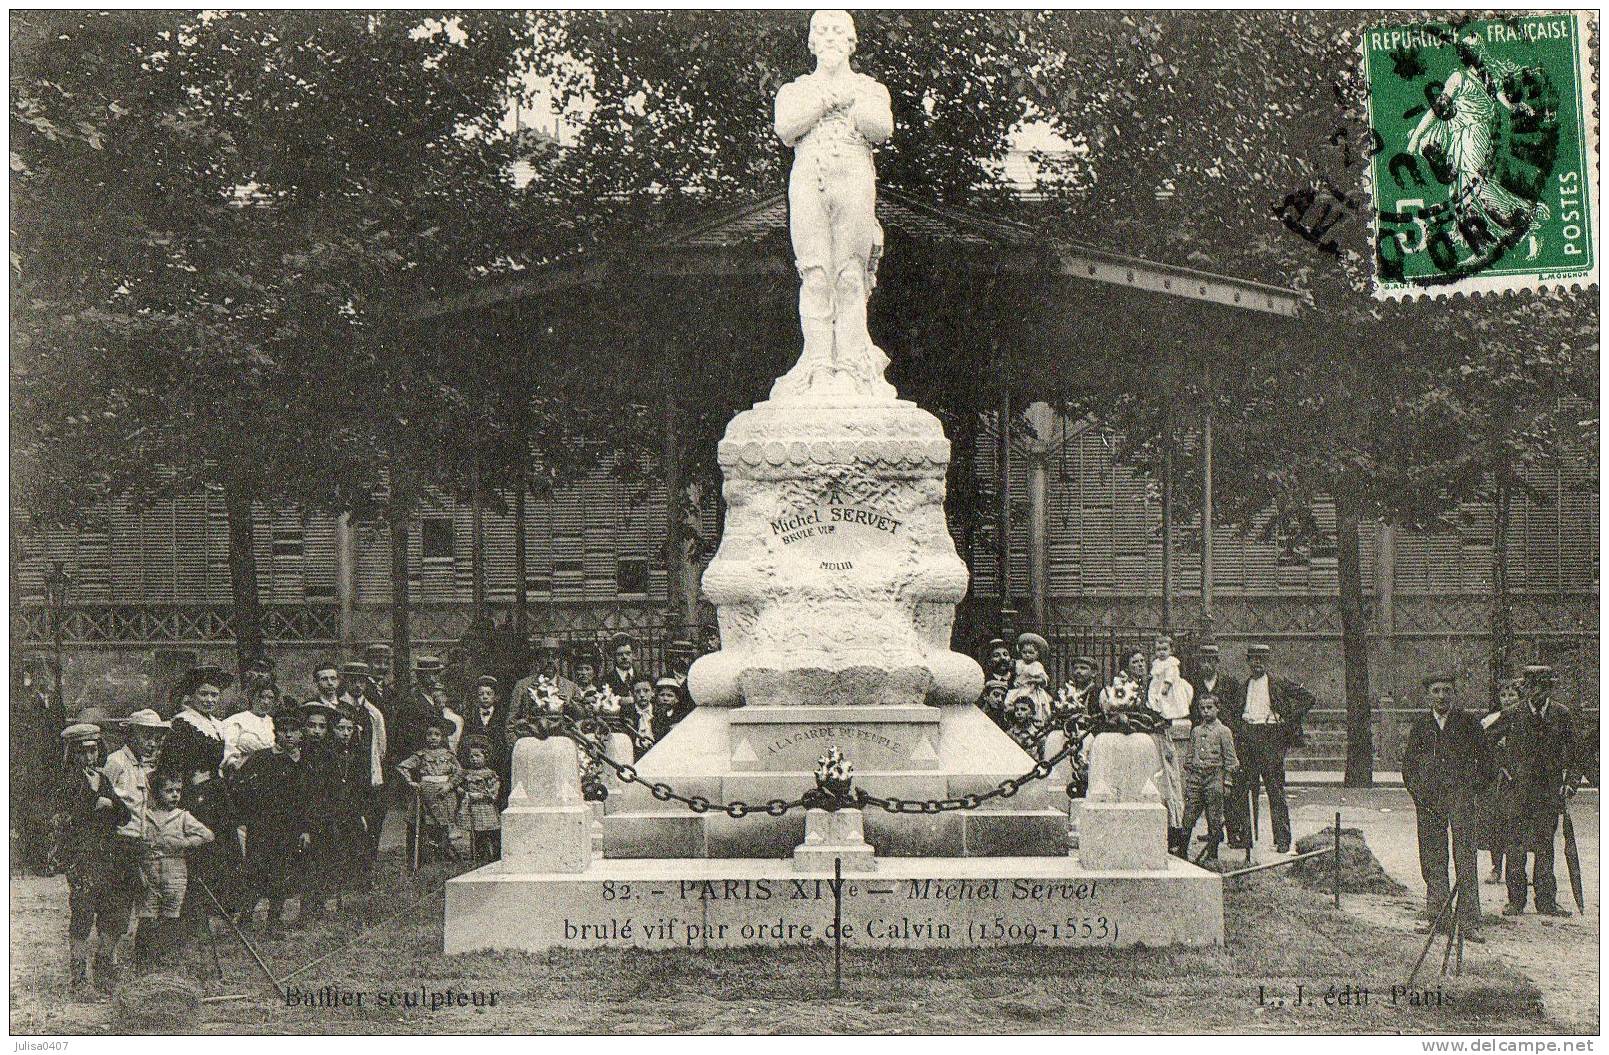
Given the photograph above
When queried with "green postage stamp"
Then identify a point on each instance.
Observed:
(1484, 154)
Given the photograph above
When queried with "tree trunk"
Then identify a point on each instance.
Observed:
(678, 570)
(1502, 617)
(248, 612)
(522, 617)
(1354, 643)
(399, 511)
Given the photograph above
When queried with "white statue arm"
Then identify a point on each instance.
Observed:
(874, 114)
(798, 109)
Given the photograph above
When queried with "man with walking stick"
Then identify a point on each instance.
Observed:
(1444, 767)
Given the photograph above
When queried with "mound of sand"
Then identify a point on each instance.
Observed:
(1360, 870)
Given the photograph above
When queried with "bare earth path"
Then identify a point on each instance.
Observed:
(1559, 955)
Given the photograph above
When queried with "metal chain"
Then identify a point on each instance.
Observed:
(584, 734)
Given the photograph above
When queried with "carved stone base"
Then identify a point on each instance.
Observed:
(834, 837)
(836, 580)
(726, 754)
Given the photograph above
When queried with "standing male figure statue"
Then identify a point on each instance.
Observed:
(832, 118)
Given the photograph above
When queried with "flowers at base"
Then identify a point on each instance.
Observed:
(545, 698)
(834, 775)
(605, 704)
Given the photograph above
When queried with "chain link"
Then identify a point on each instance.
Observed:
(588, 733)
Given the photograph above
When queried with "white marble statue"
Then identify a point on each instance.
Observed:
(832, 118)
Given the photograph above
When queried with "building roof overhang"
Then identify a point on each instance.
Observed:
(752, 240)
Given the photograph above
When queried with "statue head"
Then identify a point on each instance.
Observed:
(832, 37)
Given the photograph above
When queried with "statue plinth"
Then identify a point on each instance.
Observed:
(835, 587)
(836, 580)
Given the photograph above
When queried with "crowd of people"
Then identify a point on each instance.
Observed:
(1498, 782)
(205, 813)
(1218, 739)
(160, 822)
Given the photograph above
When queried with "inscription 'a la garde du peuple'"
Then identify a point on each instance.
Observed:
(836, 580)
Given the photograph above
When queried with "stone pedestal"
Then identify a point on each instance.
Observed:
(547, 827)
(1123, 836)
(908, 903)
(834, 837)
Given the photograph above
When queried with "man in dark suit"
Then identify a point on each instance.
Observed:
(1445, 765)
(623, 669)
(1266, 719)
(1208, 679)
(1541, 767)
(416, 713)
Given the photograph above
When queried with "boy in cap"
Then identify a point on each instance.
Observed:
(85, 814)
(1209, 772)
(1445, 765)
(487, 719)
(433, 773)
(670, 707)
(993, 701)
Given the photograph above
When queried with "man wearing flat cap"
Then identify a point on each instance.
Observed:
(1208, 678)
(1445, 765)
(1266, 721)
(1541, 767)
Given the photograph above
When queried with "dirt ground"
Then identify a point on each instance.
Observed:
(1286, 950)
(1561, 956)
